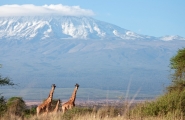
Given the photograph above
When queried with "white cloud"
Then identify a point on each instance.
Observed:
(32, 10)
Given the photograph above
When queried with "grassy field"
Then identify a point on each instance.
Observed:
(102, 113)
(91, 104)
(126, 109)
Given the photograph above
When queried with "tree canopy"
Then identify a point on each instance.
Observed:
(177, 63)
(5, 81)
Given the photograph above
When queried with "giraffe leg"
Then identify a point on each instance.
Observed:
(38, 111)
(70, 106)
(47, 110)
(63, 110)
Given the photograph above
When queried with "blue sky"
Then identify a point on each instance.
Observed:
(148, 17)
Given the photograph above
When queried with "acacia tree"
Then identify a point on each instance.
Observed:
(3, 82)
(177, 63)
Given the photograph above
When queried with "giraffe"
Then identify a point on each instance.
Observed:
(45, 106)
(71, 102)
(57, 106)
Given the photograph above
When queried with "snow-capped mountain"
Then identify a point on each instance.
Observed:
(66, 50)
(65, 27)
(62, 27)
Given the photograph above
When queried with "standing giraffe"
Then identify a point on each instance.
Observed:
(45, 106)
(71, 102)
(57, 106)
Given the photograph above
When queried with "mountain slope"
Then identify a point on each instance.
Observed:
(58, 27)
(89, 63)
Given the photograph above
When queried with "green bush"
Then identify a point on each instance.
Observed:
(16, 106)
(172, 102)
(3, 106)
(30, 112)
(76, 111)
(108, 111)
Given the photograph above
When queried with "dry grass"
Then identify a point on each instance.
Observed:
(86, 117)
(90, 116)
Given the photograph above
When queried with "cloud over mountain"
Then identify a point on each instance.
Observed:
(33, 10)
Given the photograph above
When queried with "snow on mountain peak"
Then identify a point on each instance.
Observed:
(172, 37)
(70, 27)
(60, 27)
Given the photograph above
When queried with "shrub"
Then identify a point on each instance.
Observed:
(3, 107)
(107, 111)
(30, 112)
(16, 106)
(172, 102)
(76, 111)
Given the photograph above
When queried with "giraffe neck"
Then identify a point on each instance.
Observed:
(51, 93)
(73, 97)
(57, 105)
(50, 97)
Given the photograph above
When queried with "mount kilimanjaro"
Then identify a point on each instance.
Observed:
(41, 50)
(65, 27)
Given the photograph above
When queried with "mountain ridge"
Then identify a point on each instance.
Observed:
(67, 27)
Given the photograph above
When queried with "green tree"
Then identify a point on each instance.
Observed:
(16, 106)
(177, 63)
(3, 106)
(5, 81)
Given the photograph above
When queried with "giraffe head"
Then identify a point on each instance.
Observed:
(77, 85)
(53, 86)
(59, 102)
